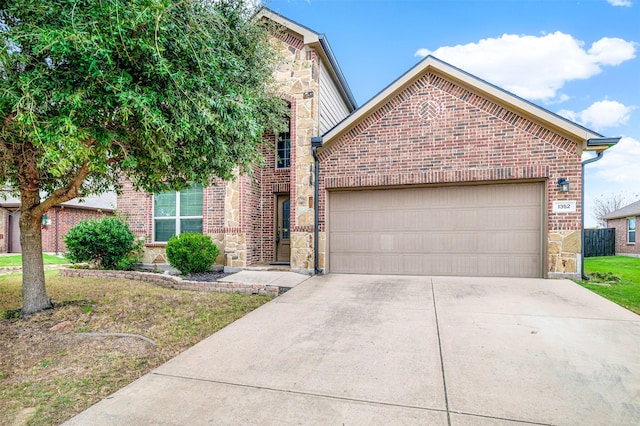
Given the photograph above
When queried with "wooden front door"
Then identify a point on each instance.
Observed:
(283, 230)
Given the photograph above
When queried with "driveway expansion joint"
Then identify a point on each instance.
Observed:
(318, 395)
(525, 422)
(444, 381)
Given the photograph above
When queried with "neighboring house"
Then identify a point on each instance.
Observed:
(624, 221)
(441, 173)
(55, 223)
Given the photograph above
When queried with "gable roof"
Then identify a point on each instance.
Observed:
(591, 140)
(106, 202)
(319, 42)
(632, 209)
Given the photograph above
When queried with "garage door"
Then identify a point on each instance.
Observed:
(483, 230)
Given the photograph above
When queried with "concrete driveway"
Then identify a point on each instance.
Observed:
(369, 350)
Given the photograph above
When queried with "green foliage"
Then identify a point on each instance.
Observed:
(103, 242)
(192, 253)
(132, 259)
(164, 92)
(168, 91)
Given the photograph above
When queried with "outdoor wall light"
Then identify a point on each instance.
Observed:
(563, 184)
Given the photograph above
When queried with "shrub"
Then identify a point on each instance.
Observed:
(192, 253)
(131, 260)
(102, 242)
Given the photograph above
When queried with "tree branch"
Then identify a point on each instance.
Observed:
(68, 192)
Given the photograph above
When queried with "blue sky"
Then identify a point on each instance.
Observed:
(579, 59)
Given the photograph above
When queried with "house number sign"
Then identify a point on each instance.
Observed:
(564, 206)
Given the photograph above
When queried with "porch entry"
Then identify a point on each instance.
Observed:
(283, 230)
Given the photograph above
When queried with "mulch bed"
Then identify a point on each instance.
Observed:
(207, 276)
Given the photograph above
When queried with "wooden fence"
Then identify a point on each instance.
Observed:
(599, 242)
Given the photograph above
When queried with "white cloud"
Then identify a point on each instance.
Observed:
(626, 3)
(535, 67)
(619, 165)
(611, 51)
(601, 114)
(615, 173)
(561, 98)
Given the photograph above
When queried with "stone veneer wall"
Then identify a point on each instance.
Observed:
(564, 250)
(437, 132)
(298, 75)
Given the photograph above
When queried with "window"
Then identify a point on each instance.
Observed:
(631, 230)
(283, 152)
(176, 213)
(286, 220)
(283, 149)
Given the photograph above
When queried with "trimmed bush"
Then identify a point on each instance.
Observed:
(192, 253)
(102, 242)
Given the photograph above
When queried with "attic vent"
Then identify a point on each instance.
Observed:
(429, 110)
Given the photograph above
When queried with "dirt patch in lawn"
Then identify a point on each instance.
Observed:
(102, 335)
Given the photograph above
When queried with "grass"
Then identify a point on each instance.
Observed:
(49, 376)
(16, 260)
(625, 291)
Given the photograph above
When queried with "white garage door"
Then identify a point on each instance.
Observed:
(482, 230)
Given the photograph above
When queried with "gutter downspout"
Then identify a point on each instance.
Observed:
(584, 163)
(316, 142)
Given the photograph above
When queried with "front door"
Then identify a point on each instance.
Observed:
(14, 232)
(283, 231)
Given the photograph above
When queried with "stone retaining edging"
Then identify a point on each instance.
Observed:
(170, 281)
(18, 269)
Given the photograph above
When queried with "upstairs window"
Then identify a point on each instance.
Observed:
(283, 151)
(177, 212)
(631, 230)
(283, 147)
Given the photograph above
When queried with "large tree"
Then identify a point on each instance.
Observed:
(164, 92)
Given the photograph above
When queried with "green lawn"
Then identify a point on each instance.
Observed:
(16, 260)
(625, 292)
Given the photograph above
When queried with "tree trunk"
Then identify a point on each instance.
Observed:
(34, 293)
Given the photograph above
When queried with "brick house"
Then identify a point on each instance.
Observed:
(624, 221)
(56, 222)
(441, 173)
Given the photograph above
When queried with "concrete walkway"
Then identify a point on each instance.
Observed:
(373, 350)
(284, 279)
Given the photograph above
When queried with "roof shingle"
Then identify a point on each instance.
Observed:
(632, 209)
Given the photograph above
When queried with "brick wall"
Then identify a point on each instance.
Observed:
(62, 219)
(136, 207)
(622, 246)
(437, 132)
